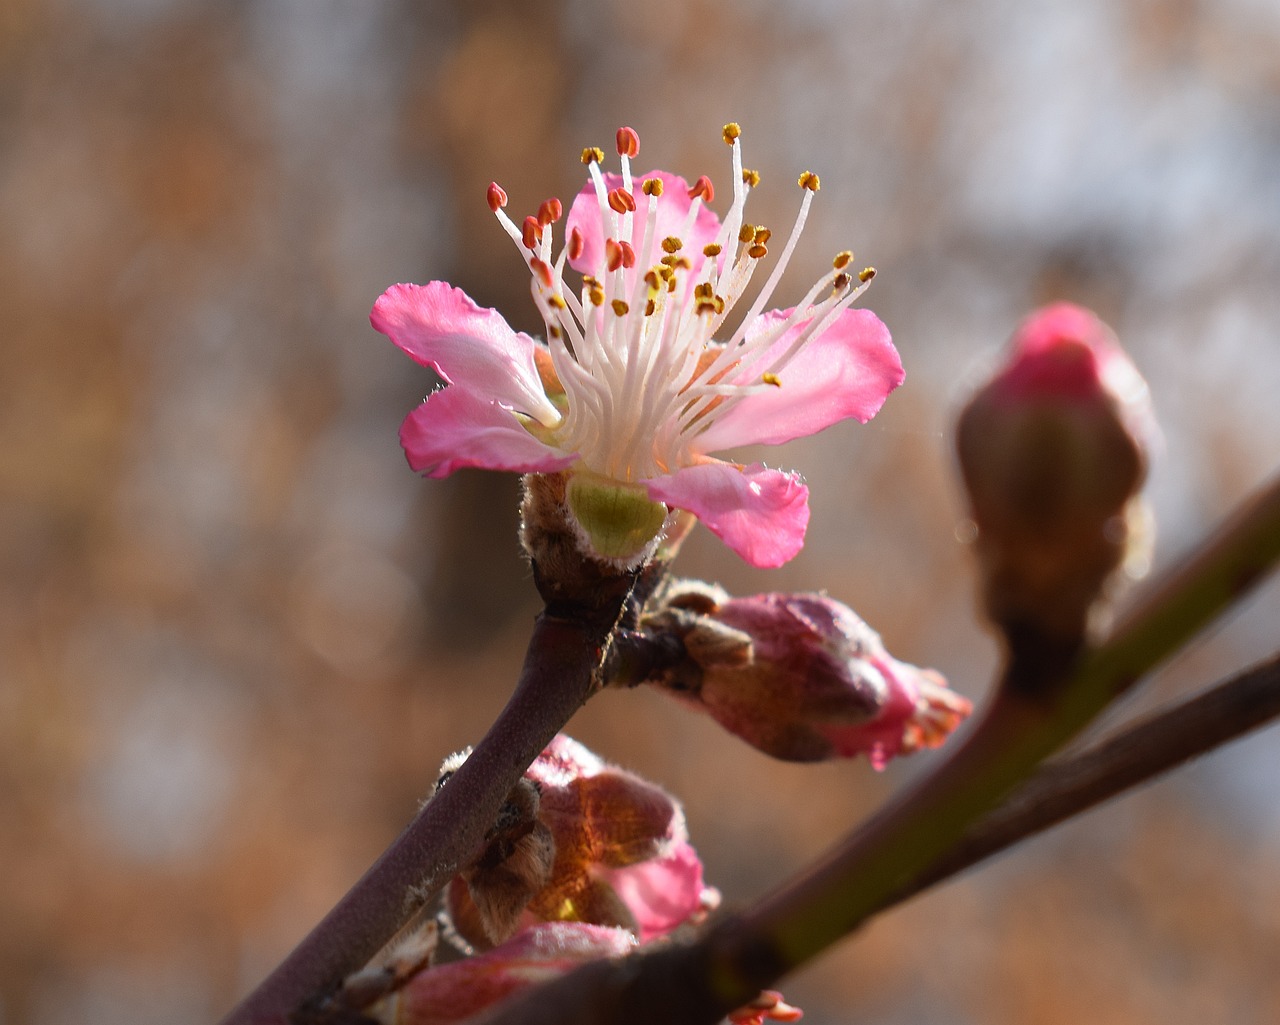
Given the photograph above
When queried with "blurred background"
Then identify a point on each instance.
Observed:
(237, 634)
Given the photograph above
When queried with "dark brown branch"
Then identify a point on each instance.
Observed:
(1134, 756)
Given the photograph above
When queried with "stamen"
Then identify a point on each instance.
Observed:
(612, 254)
(628, 142)
(652, 187)
(620, 307)
(711, 250)
(731, 132)
(866, 274)
(750, 178)
(532, 233)
(576, 244)
(702, 188)
(543, 271)
(550, 211)
(842, 260)
(592, 155)
(757, 252)
(497, 197)
(772, 379)
(621, 201)
(747, 234)
(629, 256)
(810, 181)
(671, 244)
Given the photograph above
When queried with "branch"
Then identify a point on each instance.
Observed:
(558, 676)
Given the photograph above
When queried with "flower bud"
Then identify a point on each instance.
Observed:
(1053, 450)
(454, 992)
(597, 845)
(802, 678)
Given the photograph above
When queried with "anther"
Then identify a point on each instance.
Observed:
(576, 244)
(702, 187)
(842, 260)
(840, 283)
(541, 269)
(550, 211)
(612, 254)
(621, 201)
(652, 187)
(557, 301)
(810, 181)
(731, 131)
(593, 155)
(628, 142)
(497, 197)
(866, 274)
(750, 178)
(747, 233)
(628, 255)
(757, 252)
(620, 307)
(649, 307)
(532, 233)
(651, 278)
(771, 379)
(671, 244)
(711, 250)
(762, 236)
(596, 295)
(554, 331)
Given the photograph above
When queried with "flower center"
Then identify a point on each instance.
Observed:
(633, 347)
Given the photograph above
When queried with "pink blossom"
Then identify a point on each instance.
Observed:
(631, 391)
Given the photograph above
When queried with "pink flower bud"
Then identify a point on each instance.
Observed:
(616, 853)
(1052, 451)
(454, 992)
(808, 680)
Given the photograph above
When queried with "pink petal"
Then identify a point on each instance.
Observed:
(442, 328)
(673, 209)
(662, 893)
(456, 428)
(847, 371)
(760, 513)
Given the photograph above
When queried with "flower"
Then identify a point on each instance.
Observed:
(630, 393)
(619, 856)
(1053, 450)
(803, 678)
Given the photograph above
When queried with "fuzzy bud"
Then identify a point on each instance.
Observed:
(802, 678)
(1053, 450)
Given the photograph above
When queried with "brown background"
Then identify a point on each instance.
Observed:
(237, 634)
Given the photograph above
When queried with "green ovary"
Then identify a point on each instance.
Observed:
(619, 520)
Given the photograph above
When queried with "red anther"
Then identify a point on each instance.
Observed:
(628, 142)
(576, 244)
(621, 201)
(543, 271)
(628, 255)
(497, 197)
(703, 187)
(612, 254)
(532, 232)
(550, 211)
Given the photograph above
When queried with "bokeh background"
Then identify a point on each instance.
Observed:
(237, 634)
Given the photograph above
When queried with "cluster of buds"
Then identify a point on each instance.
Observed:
(1053, 451)
(798, 676)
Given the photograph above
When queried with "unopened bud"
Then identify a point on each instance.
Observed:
(1053, 450)
(802, 678)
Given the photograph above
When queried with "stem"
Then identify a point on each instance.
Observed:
(558, 676)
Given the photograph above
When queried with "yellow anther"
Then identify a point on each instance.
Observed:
(590, 281)
(592, 155)
(666, 273)
(703, 290)
(866, 274)
(554, 331)
(651, 277)
(747, 233)
(810, 181)
(842, 260)
(758, 252)
(731, 131)
(762, 236)
(649, 307)
(557, 301)
(711, 250)
(652, 187)
(771, 379)
(750, 177)
(671, 244)
(677, 262)
(620, 307)
(596, 295)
